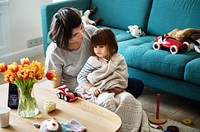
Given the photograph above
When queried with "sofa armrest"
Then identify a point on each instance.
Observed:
(48, 10)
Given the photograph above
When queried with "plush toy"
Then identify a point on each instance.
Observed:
(193, 46)
(50, 125)
(187, 36)
(135, 31)
(87, 20)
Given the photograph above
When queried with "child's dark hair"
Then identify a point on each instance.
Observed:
(63, 23)
(104, 36)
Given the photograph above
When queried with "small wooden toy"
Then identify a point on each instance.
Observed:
(157, 119)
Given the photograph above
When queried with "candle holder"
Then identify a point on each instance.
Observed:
(157, 119)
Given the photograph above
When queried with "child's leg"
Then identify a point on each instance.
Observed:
(135, 87)
(108, 101)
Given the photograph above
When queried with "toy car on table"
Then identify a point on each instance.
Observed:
(165, 42)
(66, 94)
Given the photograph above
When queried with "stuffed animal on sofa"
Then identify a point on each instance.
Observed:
(193, 46)
(87, 20)
(187, 36)
(135, 31)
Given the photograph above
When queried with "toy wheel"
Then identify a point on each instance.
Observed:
(59, 95)
(197, 48)
(188, 46)
(174, 49)
(156, 46)
(65, 98)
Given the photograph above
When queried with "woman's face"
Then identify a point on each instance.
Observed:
(76, 39)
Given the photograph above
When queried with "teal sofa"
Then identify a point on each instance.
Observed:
(178, 74)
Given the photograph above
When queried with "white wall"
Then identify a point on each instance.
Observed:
(25, 24)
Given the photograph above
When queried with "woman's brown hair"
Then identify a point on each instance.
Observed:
(104, 36)
(63, 23)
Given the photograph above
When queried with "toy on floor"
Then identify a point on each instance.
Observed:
(66, 94)
(165, 42)
(157, 119)
(135, 31)
(187, 121)
(50, 125)
(87, 20)
(172, 128)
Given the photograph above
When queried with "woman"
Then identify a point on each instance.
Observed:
(70, 48)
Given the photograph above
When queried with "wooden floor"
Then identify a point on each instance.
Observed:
(172, 106)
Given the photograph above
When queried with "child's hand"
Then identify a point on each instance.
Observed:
(104, 62)
(95, 91)
(80, 95)
(117, 90)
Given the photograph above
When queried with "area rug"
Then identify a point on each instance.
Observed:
(182, 127)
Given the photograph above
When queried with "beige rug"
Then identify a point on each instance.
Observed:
(182, 127)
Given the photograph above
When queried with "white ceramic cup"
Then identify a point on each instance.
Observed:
(4, 116)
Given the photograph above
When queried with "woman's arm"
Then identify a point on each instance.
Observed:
(56, 83)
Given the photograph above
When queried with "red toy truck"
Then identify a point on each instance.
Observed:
(171, 44)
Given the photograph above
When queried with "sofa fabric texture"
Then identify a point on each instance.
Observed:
(179, 73)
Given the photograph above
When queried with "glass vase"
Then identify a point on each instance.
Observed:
(27, 106)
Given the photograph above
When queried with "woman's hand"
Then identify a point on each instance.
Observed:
(95, 91)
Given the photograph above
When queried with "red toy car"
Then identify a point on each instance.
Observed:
(66, 94)
(168, 43)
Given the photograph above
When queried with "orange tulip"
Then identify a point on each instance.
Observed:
(13, 67)
(9, 78)
(3, 67)
(50, 75)
(23, 74)
(24, 61)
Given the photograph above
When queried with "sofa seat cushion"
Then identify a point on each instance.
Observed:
(124, 45)
(192, 71)
(160, 62)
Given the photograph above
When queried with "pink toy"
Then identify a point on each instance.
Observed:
(173, 45)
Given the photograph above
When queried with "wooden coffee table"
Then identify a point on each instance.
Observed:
(93, 117)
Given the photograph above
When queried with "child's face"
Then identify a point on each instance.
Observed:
(101, 51)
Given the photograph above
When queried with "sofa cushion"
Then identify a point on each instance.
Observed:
(122, 13)
(192, 71)
(164, 14)
(125, 45)
(160, 62)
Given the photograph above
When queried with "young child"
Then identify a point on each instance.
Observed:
(105, 73)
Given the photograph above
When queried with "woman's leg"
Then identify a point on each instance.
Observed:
(135, 87)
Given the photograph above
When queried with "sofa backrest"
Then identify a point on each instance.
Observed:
(122, 13)
(167, 15)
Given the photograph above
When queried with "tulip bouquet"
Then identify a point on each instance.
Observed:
(25, 76)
